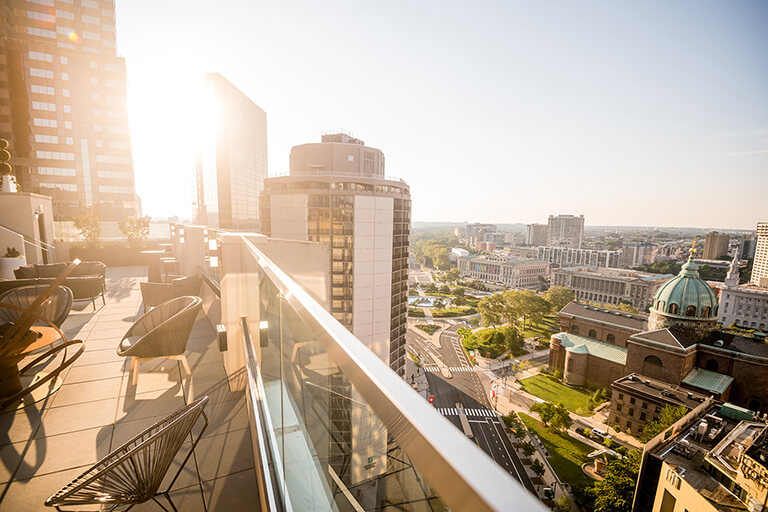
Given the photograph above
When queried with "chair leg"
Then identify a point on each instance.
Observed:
(93, 302)
(185, 364)
(134, 371)
(103, 302)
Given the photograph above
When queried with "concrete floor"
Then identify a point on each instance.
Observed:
(46, 444)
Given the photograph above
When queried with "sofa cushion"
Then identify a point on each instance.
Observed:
(50, 270)
(25, 272)
(90, 268)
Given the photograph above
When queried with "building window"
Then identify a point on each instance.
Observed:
(629, 424)
(575, 329)
(674, 309)
(706, 312)
(611, 339)
(653, 361)
(619, 407)
(644, 405)
(642, 416)
(631, 411)
(621, 396)
(592, 334)
(632, 400)
(690, 311)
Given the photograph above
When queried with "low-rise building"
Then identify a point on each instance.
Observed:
(610, 286)
(504, 271)
(637, 400)
(715, 459)
(570, 257)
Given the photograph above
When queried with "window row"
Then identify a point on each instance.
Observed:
(69, 187)
(55, 155)
(56, 171)
(115, 189)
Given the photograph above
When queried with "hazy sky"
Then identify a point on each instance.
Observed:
(632, 113)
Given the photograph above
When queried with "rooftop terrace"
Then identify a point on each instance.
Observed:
(46, 444)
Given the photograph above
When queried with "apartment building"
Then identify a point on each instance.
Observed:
(565, 231)
(716, 245)
(505, 271)
(636, 254)
(365, 219)
(232, 166)
(536, 234)
(569, 257)
(610, 286)
(760, 265)
(63, 106)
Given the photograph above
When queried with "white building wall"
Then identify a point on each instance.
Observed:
(290, 222)
(372, 271)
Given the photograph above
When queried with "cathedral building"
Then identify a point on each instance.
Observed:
(677, 345)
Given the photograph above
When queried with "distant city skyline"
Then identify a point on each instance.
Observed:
(646, 113)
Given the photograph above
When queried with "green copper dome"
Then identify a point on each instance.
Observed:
(686, 295)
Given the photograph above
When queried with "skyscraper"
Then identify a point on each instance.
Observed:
(63, 105)
(716, 245)
(565, 231)
(536, 234)
(760, 265)
(233, 164)
(337, 194)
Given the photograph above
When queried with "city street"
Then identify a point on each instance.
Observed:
(465, 389)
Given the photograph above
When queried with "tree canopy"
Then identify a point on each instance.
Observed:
(558, 297)
(615, 492)
(668, 416)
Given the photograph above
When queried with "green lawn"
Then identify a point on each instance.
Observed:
(545, 328)
(449, 312)
(566, 455)
(549, 389)
(416, 312)
(428, 328)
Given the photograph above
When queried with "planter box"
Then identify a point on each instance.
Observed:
(8, 265)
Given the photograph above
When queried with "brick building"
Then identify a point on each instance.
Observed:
(677, 344)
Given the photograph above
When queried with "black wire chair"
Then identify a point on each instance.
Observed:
(133, 473)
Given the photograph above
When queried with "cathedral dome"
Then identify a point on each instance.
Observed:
(686, 295)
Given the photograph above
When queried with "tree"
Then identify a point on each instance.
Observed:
(561, 420)
(615, 492)
(527, 305)
(545, 411)
(445, 289)
(513, 340)
(563, 505)
(558, 297)
(458, 292)
(452, 275)
(431, 288)
(439, 304)
(460, 301)
(135, 229)
(668, 416)
(89, 227)
(528, 448)
(513, 422)
(538, 468)
(491, 310)
(554, 417)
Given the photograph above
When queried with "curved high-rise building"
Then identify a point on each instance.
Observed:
(336, 193)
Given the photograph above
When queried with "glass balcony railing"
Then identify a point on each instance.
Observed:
(335, 429)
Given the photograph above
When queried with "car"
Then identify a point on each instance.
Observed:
(581, 431)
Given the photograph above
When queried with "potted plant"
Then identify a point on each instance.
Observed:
(12, 260)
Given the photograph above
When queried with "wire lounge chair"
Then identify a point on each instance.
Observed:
(56, 309)
(133, 473)
(162, 332)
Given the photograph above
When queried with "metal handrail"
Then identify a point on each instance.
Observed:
(463, 475)
(32, 243)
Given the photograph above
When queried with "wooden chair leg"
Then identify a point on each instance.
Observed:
(185, 364)
(134, 370)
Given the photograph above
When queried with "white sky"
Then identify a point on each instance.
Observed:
(632, 113)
